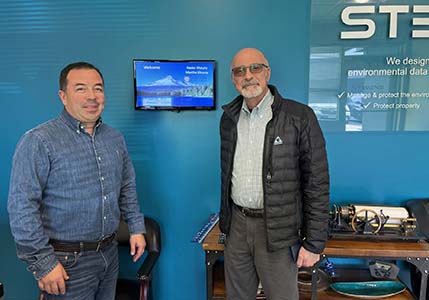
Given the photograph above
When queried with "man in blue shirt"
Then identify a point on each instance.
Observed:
(72, 180)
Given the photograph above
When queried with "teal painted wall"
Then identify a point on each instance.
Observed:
(176, 155)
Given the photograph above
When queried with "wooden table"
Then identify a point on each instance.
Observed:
(415, 253)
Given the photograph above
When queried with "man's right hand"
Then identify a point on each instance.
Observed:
(54, 281)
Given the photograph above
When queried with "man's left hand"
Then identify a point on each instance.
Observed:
(137, 244)
(306, 258)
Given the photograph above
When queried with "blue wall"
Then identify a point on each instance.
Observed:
(176, 155)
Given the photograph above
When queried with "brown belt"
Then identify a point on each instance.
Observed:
(82, 246)
(251, 212)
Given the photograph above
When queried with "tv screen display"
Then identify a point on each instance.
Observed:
(174, 84)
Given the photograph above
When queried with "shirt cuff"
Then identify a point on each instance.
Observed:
(136, 228)
(43, 267)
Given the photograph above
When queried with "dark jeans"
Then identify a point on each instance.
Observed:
(247, 261)
(93, 275)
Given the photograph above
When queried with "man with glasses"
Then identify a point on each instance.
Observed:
(275, 185)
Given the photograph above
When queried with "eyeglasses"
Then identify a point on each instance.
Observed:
(254, 69)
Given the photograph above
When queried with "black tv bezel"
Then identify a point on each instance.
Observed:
(174, 108)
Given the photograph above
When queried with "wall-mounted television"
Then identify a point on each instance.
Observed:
(174, 84)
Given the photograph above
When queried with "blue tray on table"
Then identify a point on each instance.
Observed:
(368, 289)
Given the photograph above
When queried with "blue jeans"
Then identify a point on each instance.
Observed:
(92, 275)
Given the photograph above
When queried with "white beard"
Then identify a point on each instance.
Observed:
(251, 91)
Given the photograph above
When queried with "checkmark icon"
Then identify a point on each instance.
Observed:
(365, 106)
(340, 95)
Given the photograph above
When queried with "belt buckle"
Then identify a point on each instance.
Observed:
(101, 242)
(243, 211)
(99, 245)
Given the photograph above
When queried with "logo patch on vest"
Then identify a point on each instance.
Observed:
(278, 141)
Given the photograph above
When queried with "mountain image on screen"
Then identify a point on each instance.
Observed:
(168, 86)
(168, 81)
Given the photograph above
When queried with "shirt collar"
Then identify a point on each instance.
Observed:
(76, 124)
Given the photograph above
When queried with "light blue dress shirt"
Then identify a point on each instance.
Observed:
(246, 188)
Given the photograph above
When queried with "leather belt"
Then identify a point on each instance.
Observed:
(251, 212)
(82, 246)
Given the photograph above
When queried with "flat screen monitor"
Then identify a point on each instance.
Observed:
(174, 84)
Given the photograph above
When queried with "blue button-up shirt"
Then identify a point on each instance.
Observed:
(69, 185)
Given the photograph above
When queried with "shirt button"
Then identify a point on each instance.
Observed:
(99, 158)
(102, 178)
(104, 197)
(105, 218)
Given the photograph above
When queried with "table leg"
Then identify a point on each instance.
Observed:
(315, 278)
(422, 265)
(211, 257)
